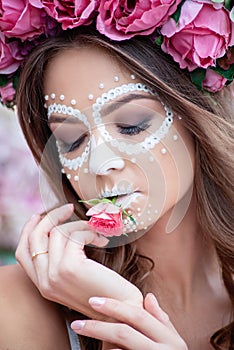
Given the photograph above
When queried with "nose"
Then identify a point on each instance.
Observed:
(102, 159)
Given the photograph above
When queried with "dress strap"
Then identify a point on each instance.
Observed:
(73, 337)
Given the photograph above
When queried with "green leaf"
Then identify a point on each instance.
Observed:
(16, 80)
(132, 219)
(228, 4)
(159, 40)
(176, 15)
(91, 201)
(197, 77)
(114, 199)
(3, 80)
(129, 216)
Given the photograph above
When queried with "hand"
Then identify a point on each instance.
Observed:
(65, 275)
(138, 328)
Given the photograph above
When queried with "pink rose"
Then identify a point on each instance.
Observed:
(106, 219)
(22, 20)
(121, 19)
(10, 57)
(202, 35)
(7, 92)
(213, 81)
(71, 13)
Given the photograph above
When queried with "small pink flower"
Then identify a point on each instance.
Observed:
(106, 219)
(213, 81)
(23, 20)
(10, 57)
(7, 92)
(71, 13)
(202, 35)
(122, 19)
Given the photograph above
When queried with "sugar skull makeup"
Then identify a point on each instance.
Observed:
(148, 143)
(114, 137)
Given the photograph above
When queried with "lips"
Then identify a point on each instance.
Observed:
(126, 200)
(116, 191)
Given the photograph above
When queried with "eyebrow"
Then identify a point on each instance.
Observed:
(106, 110)
(60, 119)
(125, 99)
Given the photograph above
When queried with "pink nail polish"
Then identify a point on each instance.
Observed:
(95, 301)
(154, 299)
(68, 206)
(78, 325)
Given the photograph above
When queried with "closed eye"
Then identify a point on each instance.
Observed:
(133, 129)
(69, 147)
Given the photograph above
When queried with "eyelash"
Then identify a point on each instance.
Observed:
(134, 129)
(71, 147)
(125, 130)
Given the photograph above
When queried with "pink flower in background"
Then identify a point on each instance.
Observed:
(7, 92)
(71, 13)
(202, 35)
(106, 218)
(19, 178)
(10, 57)
(213, 81)
(23, 20)
(122, 19)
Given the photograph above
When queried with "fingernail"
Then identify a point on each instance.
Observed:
(69, 206)
(78, 325)
(95, 301)
(154, 299)
(163, 315)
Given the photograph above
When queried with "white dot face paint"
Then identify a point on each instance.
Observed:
(126, 135)
(111, 145)
(149, 142)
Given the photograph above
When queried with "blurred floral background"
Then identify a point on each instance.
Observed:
(19, 185)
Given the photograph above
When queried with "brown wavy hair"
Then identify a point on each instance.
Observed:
(208, 118)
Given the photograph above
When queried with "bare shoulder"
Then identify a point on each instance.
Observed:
(27, 320)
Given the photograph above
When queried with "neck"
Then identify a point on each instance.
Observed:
(184, 260)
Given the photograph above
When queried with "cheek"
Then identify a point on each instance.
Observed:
(176, 166)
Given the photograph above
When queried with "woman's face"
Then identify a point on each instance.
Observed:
(115, 137)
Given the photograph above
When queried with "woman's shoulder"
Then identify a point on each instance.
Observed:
(27, 320)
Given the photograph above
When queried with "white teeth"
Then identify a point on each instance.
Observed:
(129, 189)
(116, 191)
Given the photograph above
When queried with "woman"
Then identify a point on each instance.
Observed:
(179, 181)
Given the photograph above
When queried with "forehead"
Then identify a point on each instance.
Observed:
(83, 72)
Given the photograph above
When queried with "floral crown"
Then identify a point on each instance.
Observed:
(198, 34)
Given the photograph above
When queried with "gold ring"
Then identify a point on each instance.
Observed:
(35, 254)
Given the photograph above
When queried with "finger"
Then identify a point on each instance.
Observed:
(23, 254)
(134, 316)
(39, 238)
(82, 238)
(115, 333)
(78, 239)
(74, 250)
(66, 243)
(152, 306)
